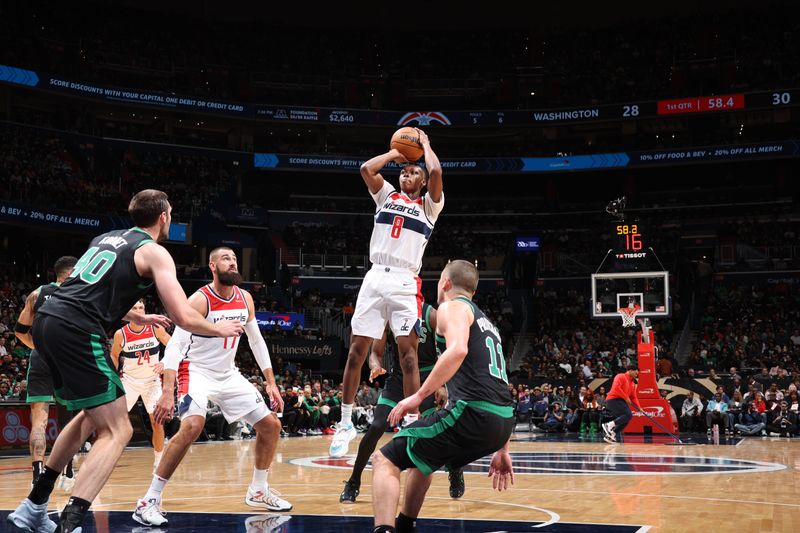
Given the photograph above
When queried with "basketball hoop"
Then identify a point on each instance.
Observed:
(628, 315)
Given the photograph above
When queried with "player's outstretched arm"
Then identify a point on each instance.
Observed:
(454, 319)
(153, 261)
(435, 184)
(371, 170)
(25, 320)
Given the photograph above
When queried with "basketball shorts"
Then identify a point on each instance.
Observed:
(149, 391)
(392, 393)
(388, 294)
(79, 362)
(236, 397)
(39, 380)
(452, 437)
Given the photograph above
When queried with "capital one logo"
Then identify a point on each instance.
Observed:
(654, 412)
(646, 391)
(424, 118)
(14, 430)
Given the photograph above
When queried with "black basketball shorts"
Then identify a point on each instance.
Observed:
(452, 437)
(79, 362)
(39, 380)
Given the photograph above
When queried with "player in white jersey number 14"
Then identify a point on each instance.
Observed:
(139, 346)
(391, 291)
(207, 373)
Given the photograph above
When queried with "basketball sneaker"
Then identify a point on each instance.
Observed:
(610, 439)
(269, 500)
(65, 482)
(457, 487)
(265, 523)
(608, 430)
(341, 439)
(148, 513)
(31, 517)
(350, 492)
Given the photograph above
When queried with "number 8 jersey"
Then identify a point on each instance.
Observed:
(402, 228)
(104, 284)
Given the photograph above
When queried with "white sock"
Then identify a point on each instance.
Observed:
(156, 487)
(410, 418)
(259, 481)
(157, 456)
(347, 414)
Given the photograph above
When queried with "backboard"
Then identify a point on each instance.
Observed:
(614, 290)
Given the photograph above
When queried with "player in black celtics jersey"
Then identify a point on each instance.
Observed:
(70, 333)
(391, 395)
(39, 379)
(479, 417)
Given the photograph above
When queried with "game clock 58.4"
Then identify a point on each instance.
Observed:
(629, 237)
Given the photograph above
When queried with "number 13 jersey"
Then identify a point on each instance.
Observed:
(402, 228)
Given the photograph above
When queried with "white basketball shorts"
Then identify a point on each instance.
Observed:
(388, 294)
(149, 390)
(236, 397)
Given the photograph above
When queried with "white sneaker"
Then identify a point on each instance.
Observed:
(65, 483)
(265, 523)
(269, 500)
(608, 431)
(341, 440)
(610, 439)
(31, 517)
(148, 513)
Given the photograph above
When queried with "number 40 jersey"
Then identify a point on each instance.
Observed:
(104, 284)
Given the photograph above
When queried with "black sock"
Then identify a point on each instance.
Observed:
(405, 524)
(36, 469)
(383, 529)
(41, 490)
(68, 470)
(73, 514)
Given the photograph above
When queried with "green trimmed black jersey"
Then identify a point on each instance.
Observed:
(104, 284)
(482, 374)
(426, 349)
(45, 291)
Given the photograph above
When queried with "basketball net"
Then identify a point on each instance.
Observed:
(628, 315)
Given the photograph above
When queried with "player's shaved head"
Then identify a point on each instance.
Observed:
(216, 252)
(463, 275)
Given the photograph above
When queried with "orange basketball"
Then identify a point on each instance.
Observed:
(406, 141)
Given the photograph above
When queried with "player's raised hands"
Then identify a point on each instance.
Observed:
(423, 137)
(501, 470)
(229, 328)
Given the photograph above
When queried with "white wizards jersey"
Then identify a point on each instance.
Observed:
(402, 228)
(216, 353)
(140, 353)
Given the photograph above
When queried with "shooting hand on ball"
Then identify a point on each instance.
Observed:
(423, 137)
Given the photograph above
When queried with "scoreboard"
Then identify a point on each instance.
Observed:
(629, 241)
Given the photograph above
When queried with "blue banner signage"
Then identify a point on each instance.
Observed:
(527, 244)
(326, 163)
(285, 321)
(26, 215)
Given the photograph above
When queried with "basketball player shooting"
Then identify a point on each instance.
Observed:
(139, 347)
(391, 291)
(206, 372)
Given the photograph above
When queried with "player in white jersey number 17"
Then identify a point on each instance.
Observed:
(391, 291)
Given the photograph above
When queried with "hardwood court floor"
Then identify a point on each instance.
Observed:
(750, 487)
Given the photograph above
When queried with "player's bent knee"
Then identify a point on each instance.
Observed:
(269, 425)
(192, 426)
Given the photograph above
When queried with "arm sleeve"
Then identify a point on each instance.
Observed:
(173, 353)
(383, 194)
(258, 345)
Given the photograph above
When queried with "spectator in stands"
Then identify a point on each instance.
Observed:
(554, 420)
(690, 412)
(783, 422)
(760, 405)
(523, 407)
(734, 374)
(717, 413)
(290, 414)
(735, 406)
(216, 423)
(590, 421)
(751, 423)
(794, 402)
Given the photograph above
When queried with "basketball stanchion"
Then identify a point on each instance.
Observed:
(678, 441)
